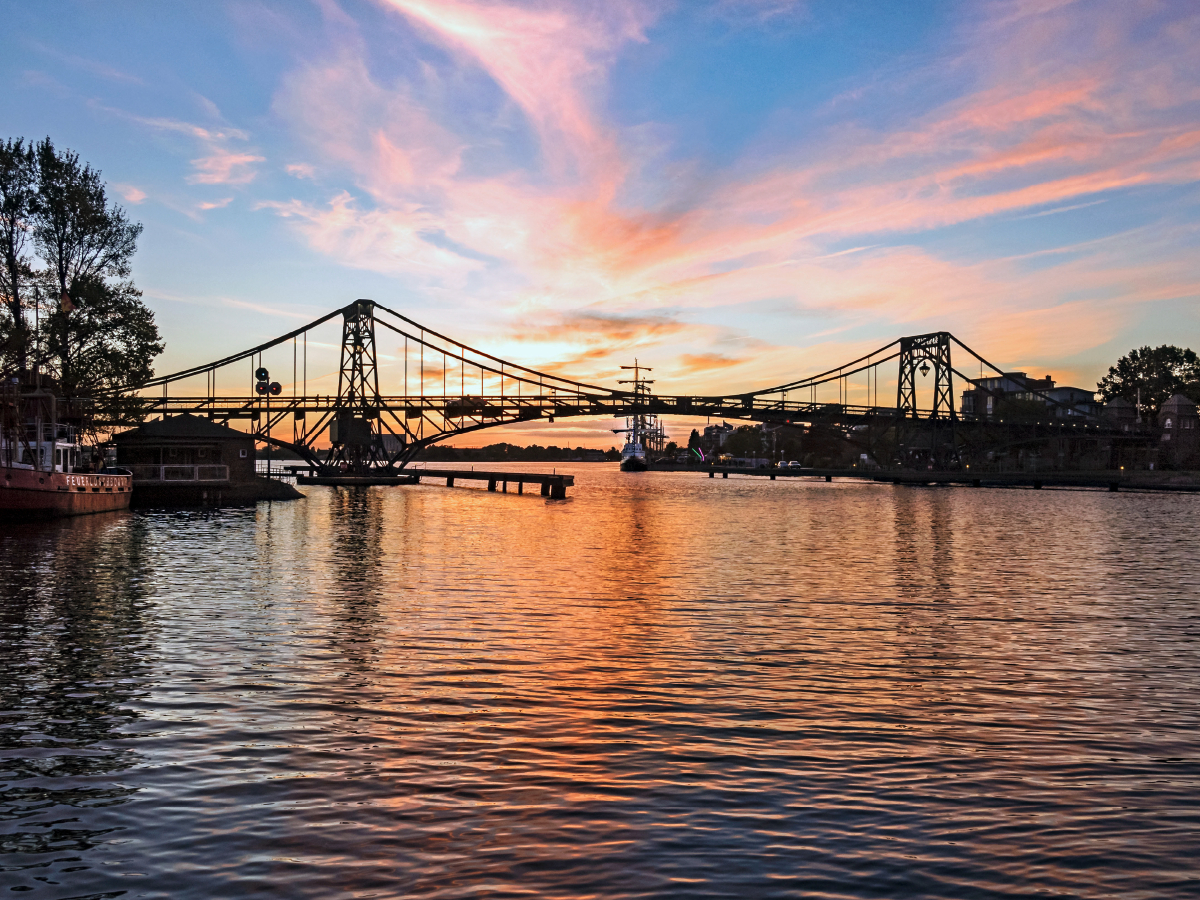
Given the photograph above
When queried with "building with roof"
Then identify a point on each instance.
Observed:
(982, 400)
(186, 460)
(1179, 445)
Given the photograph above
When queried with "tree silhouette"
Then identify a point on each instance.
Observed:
(1152, 374)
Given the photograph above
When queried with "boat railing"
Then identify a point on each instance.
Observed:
(180, 473)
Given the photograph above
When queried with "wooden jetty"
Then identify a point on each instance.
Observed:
(553, 485)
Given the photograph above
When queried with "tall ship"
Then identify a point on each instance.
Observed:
(44, 470)
(645, 433)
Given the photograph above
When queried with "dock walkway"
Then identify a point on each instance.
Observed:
(553, 485)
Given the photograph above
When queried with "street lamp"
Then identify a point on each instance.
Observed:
(924, 369)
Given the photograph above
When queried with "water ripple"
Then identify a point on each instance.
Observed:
(665, 686)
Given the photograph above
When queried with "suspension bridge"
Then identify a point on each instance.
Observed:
(450, 388)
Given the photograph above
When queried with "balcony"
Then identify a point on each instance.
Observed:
(172, 474)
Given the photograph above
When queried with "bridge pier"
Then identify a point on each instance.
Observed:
(724, 474)
(712, 474)
(491, 484)
(829, 478)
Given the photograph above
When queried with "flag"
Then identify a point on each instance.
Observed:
(65, 303)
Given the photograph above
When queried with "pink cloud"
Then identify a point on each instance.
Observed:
(1066, 106)
(225, 167)
(221, 164)
(129, 193)
(548, 58)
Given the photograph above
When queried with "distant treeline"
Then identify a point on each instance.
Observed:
(513, 453)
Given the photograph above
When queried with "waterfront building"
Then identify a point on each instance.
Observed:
(189, 461)
(1122, 412)
(982, 400)
(715, 436)
(1179, 446)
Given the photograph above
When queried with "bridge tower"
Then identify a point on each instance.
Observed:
(354, 430)
(918, 355)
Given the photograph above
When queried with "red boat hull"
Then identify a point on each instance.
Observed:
(28, 494)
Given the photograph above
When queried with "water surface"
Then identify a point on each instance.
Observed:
(664, 686)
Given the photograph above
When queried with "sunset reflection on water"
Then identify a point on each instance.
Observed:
(665, 685)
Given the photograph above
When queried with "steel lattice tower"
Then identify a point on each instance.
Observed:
(354, 433)
(919, 354)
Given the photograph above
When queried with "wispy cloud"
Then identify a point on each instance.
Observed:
(222, 161)
(225, 167)
(129, 193)
(91, 66)
(690, 363)
(1066, 107)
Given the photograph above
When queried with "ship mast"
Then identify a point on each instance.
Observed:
(641, 393)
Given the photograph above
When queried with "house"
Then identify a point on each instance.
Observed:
(1072, 402)
(715, 436)
(982, 400)
(1121, 412)
(189, 461)
(1179, 446)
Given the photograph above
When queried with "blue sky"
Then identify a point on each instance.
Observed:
(740, 191)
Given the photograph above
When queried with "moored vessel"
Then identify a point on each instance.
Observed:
(645, 432)
(44, 471)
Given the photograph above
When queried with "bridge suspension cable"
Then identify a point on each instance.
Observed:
(461, 389)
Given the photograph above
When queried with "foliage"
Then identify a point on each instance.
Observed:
(104, 346)
(94, 334)
(745, 441)
(18, 198)
(1156, 373)
(78, 233)
(503, 452)
(694, 440)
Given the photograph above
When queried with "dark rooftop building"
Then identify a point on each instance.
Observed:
(1180, 424)
(189, 461)
(982, 400)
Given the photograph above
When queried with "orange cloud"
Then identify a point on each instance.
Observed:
(706, 362)
(1068, 106)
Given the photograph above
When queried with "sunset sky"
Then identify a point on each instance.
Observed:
(737, 192)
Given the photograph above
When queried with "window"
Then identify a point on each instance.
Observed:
(1187, 423)
(1168, 424)
(241, 454)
